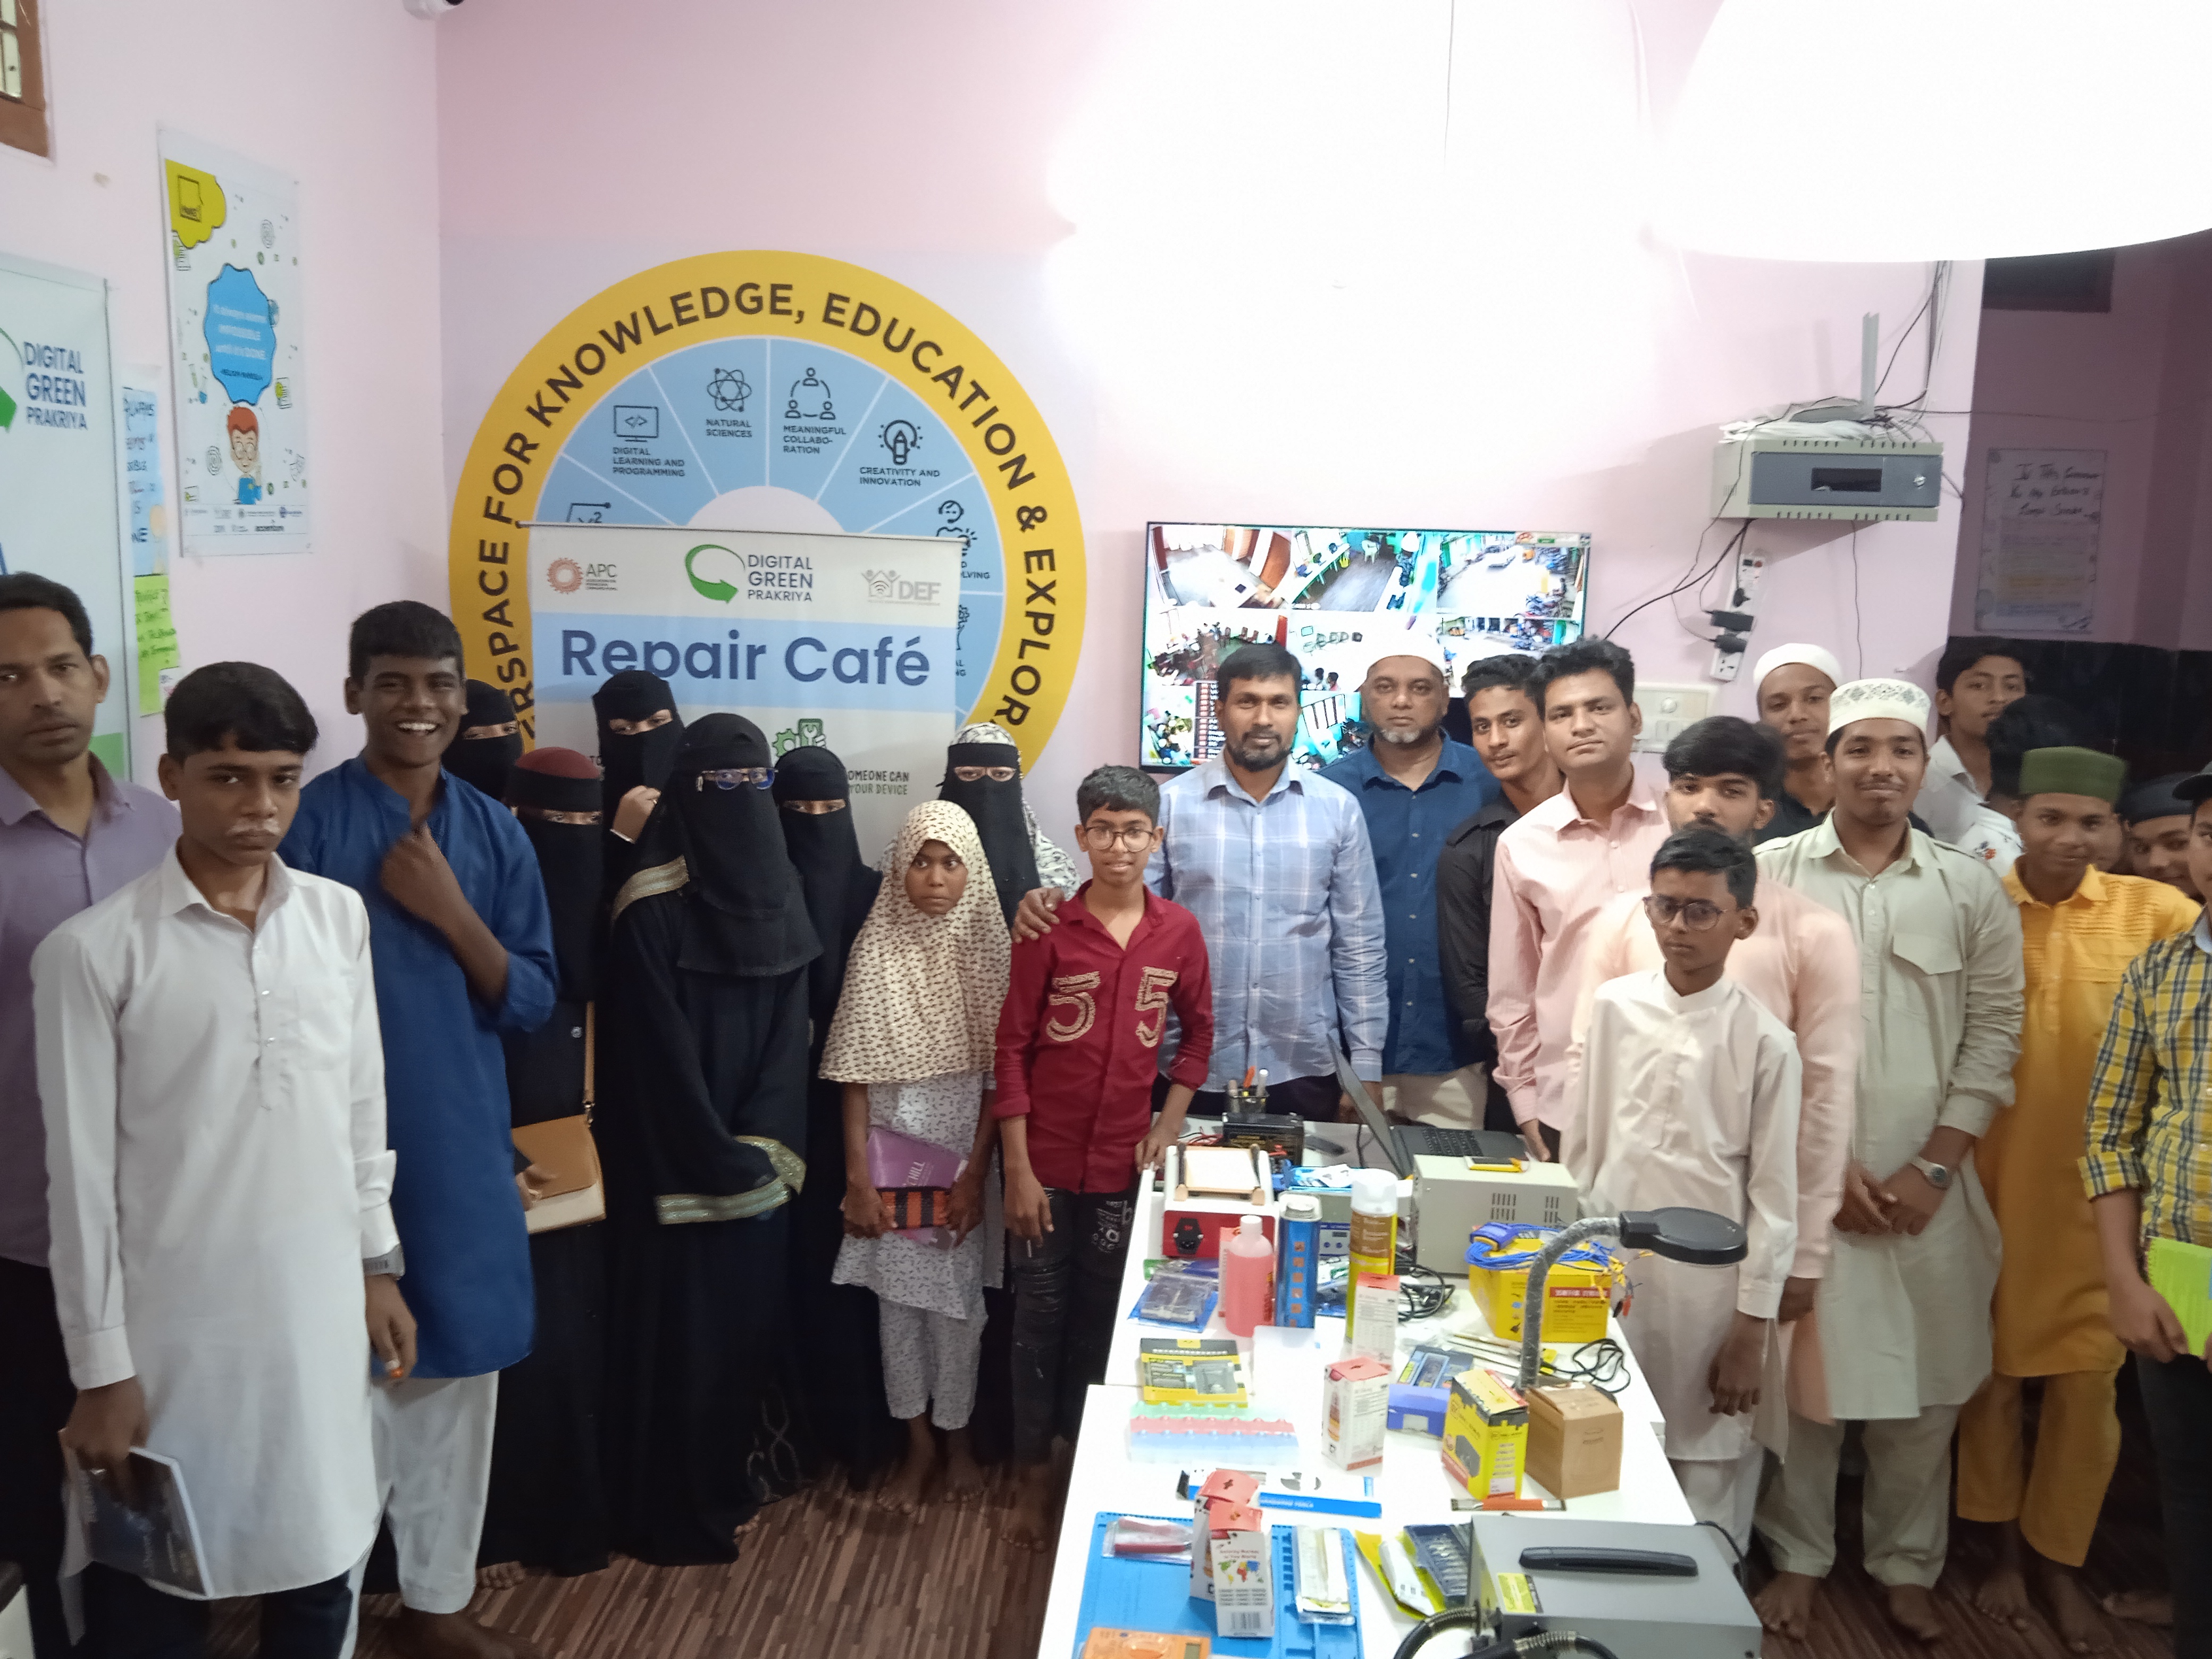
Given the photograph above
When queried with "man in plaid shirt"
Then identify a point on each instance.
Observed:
(2149, 1172)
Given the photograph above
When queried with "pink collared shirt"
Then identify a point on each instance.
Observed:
(1555, 870)
(1802, 965)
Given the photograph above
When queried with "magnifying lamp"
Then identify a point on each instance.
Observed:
(1697, 1236)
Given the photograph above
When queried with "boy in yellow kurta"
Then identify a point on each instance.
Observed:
(2080, 930)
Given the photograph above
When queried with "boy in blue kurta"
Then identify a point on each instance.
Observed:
(462, 949)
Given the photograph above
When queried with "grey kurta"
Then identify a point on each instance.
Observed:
(1903, 1322)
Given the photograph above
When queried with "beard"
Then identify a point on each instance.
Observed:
(1254, 759)
(1405, 739)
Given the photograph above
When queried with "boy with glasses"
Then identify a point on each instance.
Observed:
(1688, 1095)
(1079, 1045)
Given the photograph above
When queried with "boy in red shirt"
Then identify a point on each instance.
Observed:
(1079, 1043)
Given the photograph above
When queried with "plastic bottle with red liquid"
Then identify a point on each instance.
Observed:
(1248, 1278)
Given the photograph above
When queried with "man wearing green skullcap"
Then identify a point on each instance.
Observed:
(2079, 929)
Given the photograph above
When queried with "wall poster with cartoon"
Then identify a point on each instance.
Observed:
(232, 229)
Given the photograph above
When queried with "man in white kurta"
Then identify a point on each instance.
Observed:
(213, 1102)
(1904, 1313)
(1693, 1100)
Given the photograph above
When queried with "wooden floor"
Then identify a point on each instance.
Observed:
(827, 1573)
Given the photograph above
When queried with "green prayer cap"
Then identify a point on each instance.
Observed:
(2072, 772)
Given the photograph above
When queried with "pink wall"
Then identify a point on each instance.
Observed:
(2132, 382)
(342, 96)
(1242, 258)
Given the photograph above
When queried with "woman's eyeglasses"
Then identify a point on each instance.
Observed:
(733, 777)
(1099, 837)
(1698, 915)
(977, 773)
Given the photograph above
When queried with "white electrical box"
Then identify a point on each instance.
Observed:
(1668, 710)
(1757, 475)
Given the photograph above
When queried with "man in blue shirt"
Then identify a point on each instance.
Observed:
(462, 948)
(1414, 784)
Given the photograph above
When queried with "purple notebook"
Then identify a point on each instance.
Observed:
(898, 1160)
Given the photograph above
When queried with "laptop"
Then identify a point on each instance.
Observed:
(1403, 1142)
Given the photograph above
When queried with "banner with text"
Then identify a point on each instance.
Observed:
(847, 641)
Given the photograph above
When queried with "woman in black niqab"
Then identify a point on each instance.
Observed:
(704, 1074)
(995, 804)
(489, 742)
(639, 733)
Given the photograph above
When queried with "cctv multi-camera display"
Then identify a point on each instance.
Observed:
(1334, 597)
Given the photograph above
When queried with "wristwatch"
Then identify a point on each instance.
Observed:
(392, 1262)
(1939, 1176)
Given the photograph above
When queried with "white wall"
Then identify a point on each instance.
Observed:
(1236, 252)
(343, 96)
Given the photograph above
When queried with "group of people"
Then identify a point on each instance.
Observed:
(1881, 999)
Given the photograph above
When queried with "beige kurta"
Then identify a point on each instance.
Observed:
(1903, 1322)
(1691, 1101)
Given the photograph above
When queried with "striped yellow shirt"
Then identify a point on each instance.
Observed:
(2150, 1102)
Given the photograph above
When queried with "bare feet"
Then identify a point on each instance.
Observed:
(2079, 1625)
(2003, 1596)
(963, 1477)
(1029, 1525)
(1912, 1610)
(1785, 1606)
(419, 1635)
(505, 1575)
(2143, 1606)
(902, 1494)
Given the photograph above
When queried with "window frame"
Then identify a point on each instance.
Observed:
(24, 123)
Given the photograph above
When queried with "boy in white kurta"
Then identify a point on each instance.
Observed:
(1688, 1094)
(213, 1086)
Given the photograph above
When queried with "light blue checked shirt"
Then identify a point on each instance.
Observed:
(1284, 890)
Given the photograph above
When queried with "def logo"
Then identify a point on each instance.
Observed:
(887, 584)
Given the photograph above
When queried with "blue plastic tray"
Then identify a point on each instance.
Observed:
(1130, 1593)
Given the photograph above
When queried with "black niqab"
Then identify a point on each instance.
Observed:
(629, 759)
(484, 762)
(746, 915)
(825, 850)
(569, 856)
(1000, 823)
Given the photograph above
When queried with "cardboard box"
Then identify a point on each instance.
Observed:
(1231, 1563)
(1370, 1327)
(1577, 1290)
(1486, 1435)
(1574, 1440)
(1354, 1395)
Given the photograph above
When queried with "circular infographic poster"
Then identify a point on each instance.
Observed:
(771, 391)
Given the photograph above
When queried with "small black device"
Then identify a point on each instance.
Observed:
(1267, 1131)
(1649, 1563)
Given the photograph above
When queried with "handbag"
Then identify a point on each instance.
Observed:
(564, 1147)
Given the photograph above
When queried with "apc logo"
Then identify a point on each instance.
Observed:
(566, 576)
(886, 586)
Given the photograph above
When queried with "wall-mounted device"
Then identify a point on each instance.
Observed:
(1770, 473)
(1668, 711)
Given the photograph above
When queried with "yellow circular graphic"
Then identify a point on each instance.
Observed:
(787, 391)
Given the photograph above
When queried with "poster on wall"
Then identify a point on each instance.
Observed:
(146, 494)
(846, 641)
(780, 392)
(59, 507)
(234, 340)
(1334, 597)
(2041, 512)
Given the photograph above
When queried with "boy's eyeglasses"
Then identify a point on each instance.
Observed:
(1698, 915)
(1099, 837)
(977, 773)
(730, 777)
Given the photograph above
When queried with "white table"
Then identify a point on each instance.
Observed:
(1285, 1377)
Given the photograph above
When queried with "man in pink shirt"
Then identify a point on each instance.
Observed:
(1557, 867)
(1800, 964)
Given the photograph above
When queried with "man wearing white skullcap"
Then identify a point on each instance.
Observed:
(1414, 786)
(1793, 683)
(1899, 1339)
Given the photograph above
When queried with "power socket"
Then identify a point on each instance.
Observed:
(1743, 596)
(1668, 710)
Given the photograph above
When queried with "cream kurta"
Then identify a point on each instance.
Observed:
(1691, 1101)
(213, 1102)
(1903, 1322)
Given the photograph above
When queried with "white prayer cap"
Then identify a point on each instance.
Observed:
(1422, 648)
(1783, 655)
(1878, 700)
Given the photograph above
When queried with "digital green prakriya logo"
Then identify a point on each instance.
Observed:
(720, 592)
(7, 402)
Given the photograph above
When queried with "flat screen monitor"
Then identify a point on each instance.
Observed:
(1334, 597)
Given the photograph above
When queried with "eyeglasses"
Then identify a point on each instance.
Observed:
(730, 777)
(1698, 915)
(1098, 838)
(977, 773)
(546, 815)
